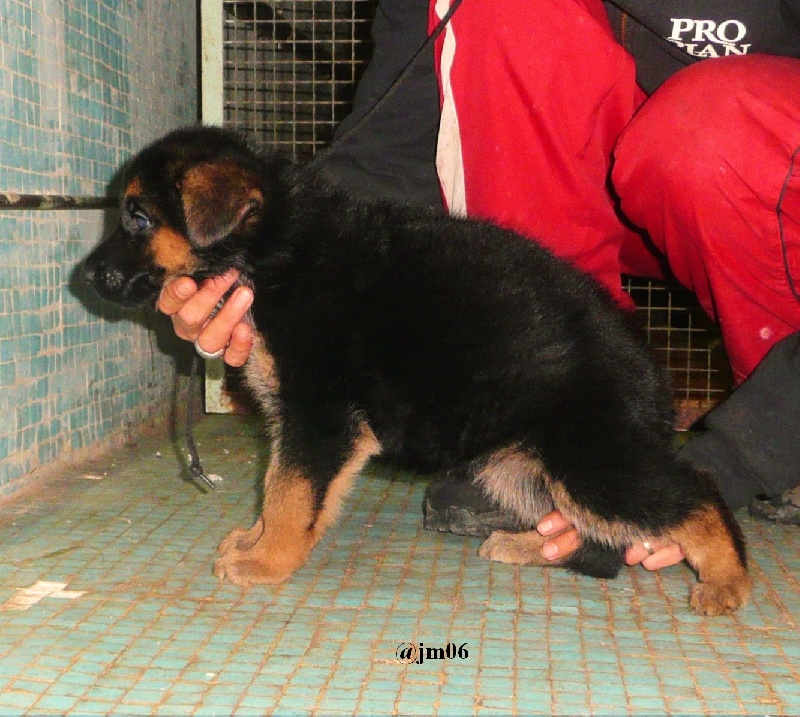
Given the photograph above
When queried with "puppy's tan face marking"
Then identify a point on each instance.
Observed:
(133, 189)
(171, 251)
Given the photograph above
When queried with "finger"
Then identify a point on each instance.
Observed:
(664, 558)
(193, 315)
(661, 557)
(561, 545)
(552, 523)
(640, 552)
(175, 294)
(241, 344)
(217, 333)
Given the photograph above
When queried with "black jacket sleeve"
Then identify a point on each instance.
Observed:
(662, 43)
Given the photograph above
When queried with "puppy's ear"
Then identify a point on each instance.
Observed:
(219, 198)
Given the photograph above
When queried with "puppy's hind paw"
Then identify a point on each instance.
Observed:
(514, 548)
(719, 599)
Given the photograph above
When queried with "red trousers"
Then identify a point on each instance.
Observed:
(544, 130)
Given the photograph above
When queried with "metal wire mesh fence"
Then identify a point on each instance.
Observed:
(291, 66)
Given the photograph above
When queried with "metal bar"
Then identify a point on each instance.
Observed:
(211, 68)
(212, 112)
(12, 200)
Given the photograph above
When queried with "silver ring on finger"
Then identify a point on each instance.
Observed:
(206, 355)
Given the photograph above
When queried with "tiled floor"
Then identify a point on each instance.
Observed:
(123, 616)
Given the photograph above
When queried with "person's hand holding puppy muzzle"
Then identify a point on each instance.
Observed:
(224, 334)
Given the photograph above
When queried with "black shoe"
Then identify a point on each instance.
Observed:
(460, 507)
(784, 508)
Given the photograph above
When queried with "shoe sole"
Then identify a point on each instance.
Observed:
(775, 510)
(462, 521)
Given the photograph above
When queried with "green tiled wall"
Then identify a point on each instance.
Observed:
(83, 84)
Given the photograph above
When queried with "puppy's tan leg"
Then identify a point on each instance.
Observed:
(724, 584)
(285, 541)
(516, 548)
(292, 521)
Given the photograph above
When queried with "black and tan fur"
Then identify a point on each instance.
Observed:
(441, 344)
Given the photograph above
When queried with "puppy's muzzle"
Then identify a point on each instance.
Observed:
(105, 278)
(113, 283)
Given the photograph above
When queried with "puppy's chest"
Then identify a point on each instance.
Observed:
(261, 374)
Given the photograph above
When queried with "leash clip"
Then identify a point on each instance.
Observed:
(196, 471)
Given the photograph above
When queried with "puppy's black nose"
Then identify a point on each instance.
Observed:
(102, 275)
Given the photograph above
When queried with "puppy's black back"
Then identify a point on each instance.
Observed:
(453, 336)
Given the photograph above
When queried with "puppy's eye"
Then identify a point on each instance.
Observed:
(141, 221)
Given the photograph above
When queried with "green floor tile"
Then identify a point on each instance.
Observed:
(156, 633)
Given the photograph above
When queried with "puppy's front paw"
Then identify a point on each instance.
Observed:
(249, 557)
(244, 569)
(239, 539)
(514, 548)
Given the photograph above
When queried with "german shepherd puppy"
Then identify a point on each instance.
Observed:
(442, 344)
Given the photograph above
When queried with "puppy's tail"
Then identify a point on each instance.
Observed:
(596, 559)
